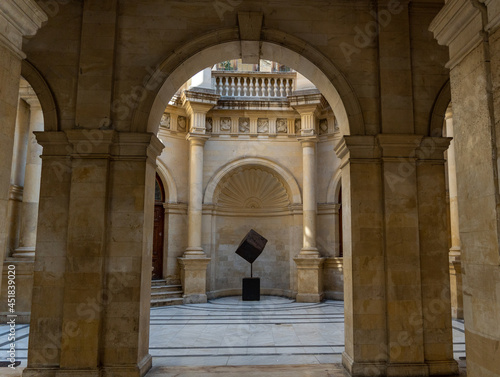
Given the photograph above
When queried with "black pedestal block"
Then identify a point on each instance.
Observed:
(251, 289)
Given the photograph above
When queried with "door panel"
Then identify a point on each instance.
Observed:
(158, 242)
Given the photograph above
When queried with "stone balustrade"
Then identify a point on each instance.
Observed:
(253, 84)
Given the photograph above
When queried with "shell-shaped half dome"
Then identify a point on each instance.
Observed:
(252, 188)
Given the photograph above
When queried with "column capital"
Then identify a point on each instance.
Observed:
(197, 139)
(398, 145)
(93, 143)
(199, 101)
(306, 102)
(308, 141)
(433, 148)
(357, 147)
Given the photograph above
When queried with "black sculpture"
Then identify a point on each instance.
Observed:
(249, 249)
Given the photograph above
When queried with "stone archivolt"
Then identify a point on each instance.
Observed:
(252, 188)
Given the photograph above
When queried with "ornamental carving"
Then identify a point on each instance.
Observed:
(298, 125)
(209, 124)
(165, 121)
(323, 126)
(281, 126)
(244, 126)
(252, 188)
(225, 124)
(181, 123)
(262, 125)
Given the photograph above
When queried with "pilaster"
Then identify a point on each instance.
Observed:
(390, 183)
(93, 266)
(470, 30)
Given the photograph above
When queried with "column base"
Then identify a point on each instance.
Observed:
(113, 371)
(194, 279)
(309, 279)
(24, 252)
(309, 252)
(432, 368)
(194, 252)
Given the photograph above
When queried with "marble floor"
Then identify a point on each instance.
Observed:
(227, 334)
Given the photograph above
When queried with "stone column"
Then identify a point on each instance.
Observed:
(396, 293)
(18, 167)
(24, 214)
(475, 83)
(194, 262)
(309, 262)
(457, 310)
(31, 192)
(309, 204)
(17, 19)
(92, 280)
(24, 269)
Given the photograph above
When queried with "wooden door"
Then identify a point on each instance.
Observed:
(159, 225)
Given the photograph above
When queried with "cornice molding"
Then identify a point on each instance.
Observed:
(19, 18)
(459, 26)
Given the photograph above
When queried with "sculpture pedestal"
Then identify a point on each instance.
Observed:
(309, 279)
(194, 279)
(251, 289)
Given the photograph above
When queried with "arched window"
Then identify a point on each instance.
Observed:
(159, 190)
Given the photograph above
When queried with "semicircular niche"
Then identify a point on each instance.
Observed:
(252, 188)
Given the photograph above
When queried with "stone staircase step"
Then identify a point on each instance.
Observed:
(155, 283)
(166, 288)
(167, 302)
(163, 294)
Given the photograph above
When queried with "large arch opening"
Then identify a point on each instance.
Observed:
(226, 177)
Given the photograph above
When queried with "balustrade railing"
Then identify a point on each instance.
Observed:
(255, 84)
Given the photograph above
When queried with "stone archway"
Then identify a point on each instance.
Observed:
(182, 64)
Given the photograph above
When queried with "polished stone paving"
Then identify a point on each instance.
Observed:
(229, 332)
